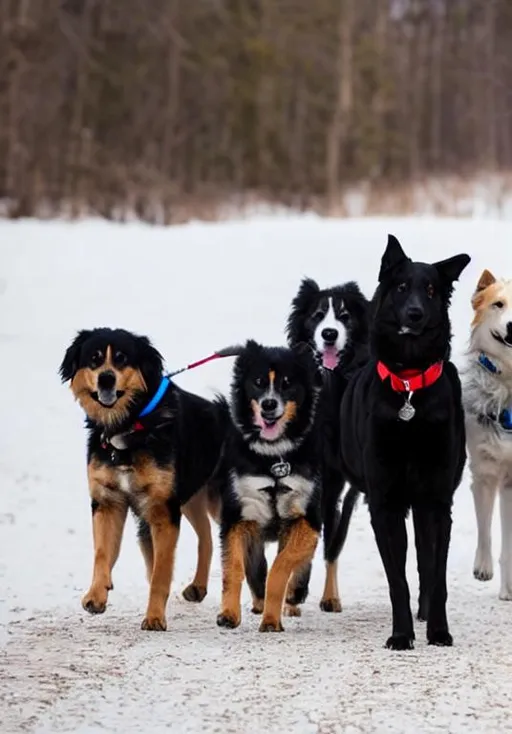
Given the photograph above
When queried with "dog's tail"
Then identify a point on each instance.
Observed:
(340, 534)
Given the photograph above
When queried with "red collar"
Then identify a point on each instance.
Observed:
(411, 380)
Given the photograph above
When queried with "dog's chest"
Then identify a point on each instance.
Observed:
(265, 499)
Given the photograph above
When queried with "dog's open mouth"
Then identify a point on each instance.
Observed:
(270, 428)
(501, 339)
(107, 398)
(330, 357)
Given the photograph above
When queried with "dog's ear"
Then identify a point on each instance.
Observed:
(71, 360)
(392, 257)
(486, 279)
(450, 269)
(301, 304)
(150, 361)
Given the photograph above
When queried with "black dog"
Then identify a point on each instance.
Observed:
(334, 322)
(153, 448)
(272, 488)
(403, 438)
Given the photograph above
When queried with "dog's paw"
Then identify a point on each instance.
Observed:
(271, 625)
(440, 638)
(228, 620)
(482, 567)
(154, 624)
(331, 605)
(506, 593)
(292, 610)
(95, 601)
(257, 606)
(400, 642)
(194, 593)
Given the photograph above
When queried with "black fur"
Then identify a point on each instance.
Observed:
(419, 464)
(185, 431)
(307, 308)
(247, 454)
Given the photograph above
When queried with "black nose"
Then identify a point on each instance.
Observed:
(414, 314)
(268, 405)
(509, 331)
(106, 380)
(329, 335)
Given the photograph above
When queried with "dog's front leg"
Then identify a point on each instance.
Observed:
(299, 549)
(506, 541)
(484, 488)
(164, 523)
(234, 542)
(108, 520)
(391, 536)
(437, 624)
(425, 542)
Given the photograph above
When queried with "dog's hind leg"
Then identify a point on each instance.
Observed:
(256, 572)
(506, 541)
(146, 546)
(196, 512)
(424, 540)
(297, 590)
(484, 488)
(335, 533)
(391, 536)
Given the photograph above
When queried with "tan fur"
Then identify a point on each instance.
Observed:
(299, 549)
(331, 597)
(233, 570)
(486, 295)
(85, 382)
(290, 411)
(196, 512)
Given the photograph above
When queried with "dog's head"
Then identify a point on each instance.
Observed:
(274, 395)
(410, 307)
(111, 370)
(328, 320)
(492, 323)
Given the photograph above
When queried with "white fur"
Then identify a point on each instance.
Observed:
(489, 447)
(330, 321)
(273, 448)
(292, 498)
(255, 502)
(293, 503)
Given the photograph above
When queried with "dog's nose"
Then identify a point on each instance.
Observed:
(414, 314)
(269, 405)
(106, 380)
(329, 335)
(509, 332)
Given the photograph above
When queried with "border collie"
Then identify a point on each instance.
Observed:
(334, 322)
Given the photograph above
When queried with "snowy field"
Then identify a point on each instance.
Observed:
(193, 289)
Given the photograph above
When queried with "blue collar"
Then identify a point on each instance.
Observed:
(162, 389)
(486, 363)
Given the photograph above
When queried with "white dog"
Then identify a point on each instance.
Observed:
(487, 390)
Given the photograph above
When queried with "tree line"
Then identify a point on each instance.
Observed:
(137, 106)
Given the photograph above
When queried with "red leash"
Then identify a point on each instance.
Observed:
(232, 351)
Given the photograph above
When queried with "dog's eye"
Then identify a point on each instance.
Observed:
(120, 359)
(318, 315)
(344, 317)
(498, 304)
(96, 359)
(430, 290)
(402, 287)
(286, 382)
(258, 381)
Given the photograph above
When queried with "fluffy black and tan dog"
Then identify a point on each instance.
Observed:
(334, 322)
(153, 448)
(403, 442)
(272, 487)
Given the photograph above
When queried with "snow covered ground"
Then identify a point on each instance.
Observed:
(193, 289)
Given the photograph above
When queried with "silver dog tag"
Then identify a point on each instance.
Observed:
(280, 470)
(407, 411)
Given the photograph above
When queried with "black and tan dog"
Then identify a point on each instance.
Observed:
(153, 448)
(272, 485)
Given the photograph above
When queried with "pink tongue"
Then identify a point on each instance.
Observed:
(330, 358)
(267, 432)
